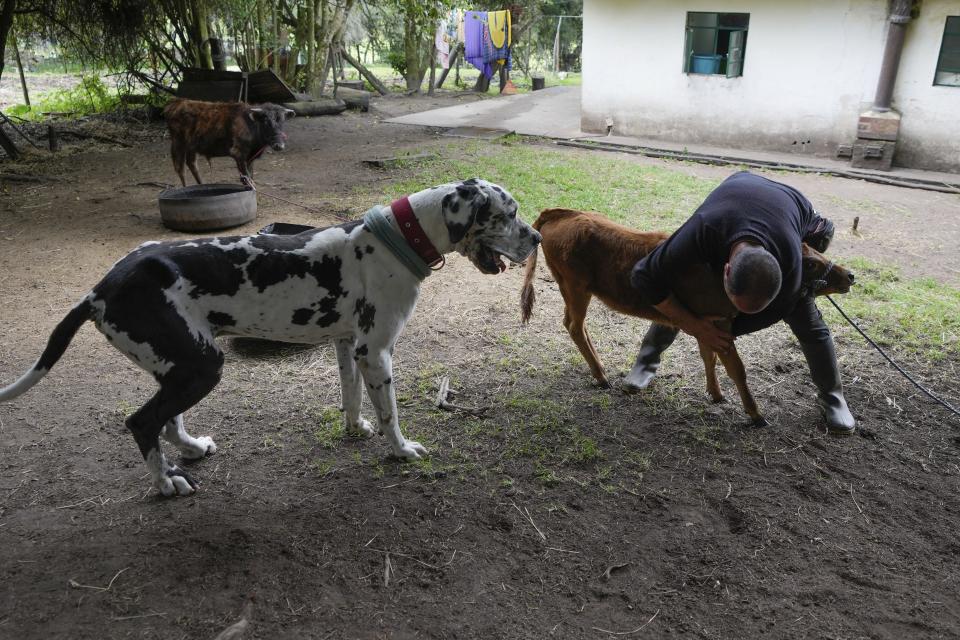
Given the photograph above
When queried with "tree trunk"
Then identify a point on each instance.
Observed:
(23, 79)
(261, 27)
(411, 51)
(310, 79)
(275, 45)
(6, 21)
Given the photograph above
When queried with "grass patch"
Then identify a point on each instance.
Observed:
(329, 431)
(917, 315)
(645, 197)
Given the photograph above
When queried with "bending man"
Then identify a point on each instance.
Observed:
(749, 229)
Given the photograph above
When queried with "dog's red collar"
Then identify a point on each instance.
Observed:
(414, 233)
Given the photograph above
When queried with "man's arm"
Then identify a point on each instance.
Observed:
(700, 327)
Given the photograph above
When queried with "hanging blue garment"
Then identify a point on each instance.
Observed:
(474, 32)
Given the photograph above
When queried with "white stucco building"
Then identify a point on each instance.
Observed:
(791, 75)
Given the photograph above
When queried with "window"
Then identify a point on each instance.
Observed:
(715, 43)
(948, 64)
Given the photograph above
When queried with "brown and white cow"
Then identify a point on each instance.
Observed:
(217, 129)
(589, 256)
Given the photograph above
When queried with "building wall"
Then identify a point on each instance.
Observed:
(810, 68)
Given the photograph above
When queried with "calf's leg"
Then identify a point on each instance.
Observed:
(710, 369)
(576, 302)
(735, 369)
(192, 164)
(178, 154)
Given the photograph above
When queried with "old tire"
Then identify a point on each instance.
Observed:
(205, 207)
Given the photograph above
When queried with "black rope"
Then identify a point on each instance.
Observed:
(890, 360)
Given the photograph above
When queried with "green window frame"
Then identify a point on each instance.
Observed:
(715, 43)
(948, 62)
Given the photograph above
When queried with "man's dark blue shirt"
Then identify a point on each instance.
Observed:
(744, 207)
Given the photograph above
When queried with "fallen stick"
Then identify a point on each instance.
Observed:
(94, 136)
(445, 391)
(20, 177)
(238, 628)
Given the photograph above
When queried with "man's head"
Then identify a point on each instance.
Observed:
(751, 278)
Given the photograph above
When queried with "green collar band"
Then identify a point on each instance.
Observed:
(384, 231)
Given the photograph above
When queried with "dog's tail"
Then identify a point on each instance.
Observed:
(56, 345)
(527, 295)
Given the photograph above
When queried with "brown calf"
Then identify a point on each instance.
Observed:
(589, 256)
(216, 129)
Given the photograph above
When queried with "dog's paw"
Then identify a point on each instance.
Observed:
(203, 446)
(362, 429)
(411, 450)
(175, 482)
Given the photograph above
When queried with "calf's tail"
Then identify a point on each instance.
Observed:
(56, 345)
(527, 295)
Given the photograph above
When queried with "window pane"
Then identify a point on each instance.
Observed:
(699, 19)
(736, 20)
(948, 65)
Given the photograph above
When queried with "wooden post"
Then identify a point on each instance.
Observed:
(52, 139)
(23, 79)
(433, 67)
(453, 59)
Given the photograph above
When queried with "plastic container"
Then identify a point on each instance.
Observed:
(705, 64)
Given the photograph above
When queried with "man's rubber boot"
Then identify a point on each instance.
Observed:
(822, 359)
(655, 342)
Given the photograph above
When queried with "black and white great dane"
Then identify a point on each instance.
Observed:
(164, 304)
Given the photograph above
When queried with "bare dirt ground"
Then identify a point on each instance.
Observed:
(567, 511)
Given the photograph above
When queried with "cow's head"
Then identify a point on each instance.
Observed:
(482, 221)
(822, 276)
(266, 120)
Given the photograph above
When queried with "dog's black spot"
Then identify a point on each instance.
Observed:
(471, 181)
(467, 192)
(220, 319)
(450, 203)
(328, 307)
(497, 189)
(388, 381)
(360, 352)
(302, 316)
(482, 211)
(369, 248)
(358, 252)
(273, 267)
(366, 313)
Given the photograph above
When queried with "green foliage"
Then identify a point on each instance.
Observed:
(397, 61)
(88, 97)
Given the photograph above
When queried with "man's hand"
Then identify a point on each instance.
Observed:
(704, 330)
(701, 328)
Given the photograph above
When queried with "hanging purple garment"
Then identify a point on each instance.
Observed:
(474, 30)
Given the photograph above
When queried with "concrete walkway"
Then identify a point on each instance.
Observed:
(555, 113)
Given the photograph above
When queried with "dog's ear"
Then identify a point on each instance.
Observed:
(457, 214)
